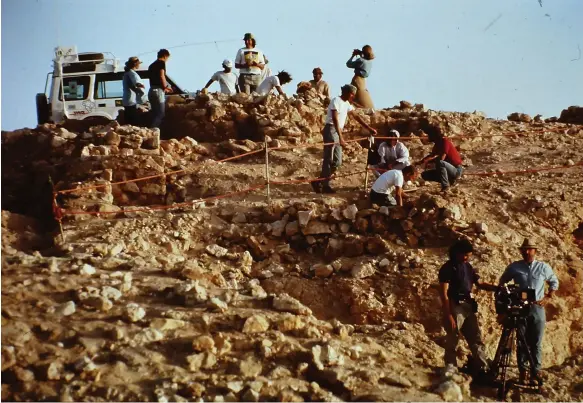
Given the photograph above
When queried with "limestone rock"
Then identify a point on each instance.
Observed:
(350, 212)
(323, 270)
(315, 227)
(363, 270)
(66, 309)
(203, 343)
(196, 362)
(216, 250)
(134, 312)
(87, 270)
(250, 368)
(216, 304)
(450, 392)
(256, 324)
(286, 303)
(304, 217)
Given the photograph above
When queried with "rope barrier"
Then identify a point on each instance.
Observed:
(60, 213)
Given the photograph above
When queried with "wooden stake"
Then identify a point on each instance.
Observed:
(55, 204)
(267, 171)
(370, 143)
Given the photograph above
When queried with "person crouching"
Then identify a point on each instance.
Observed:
(380, 193)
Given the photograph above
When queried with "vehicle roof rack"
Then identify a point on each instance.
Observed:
(70, 61)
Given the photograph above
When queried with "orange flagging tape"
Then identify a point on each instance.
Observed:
(165, 207)
(153, 176)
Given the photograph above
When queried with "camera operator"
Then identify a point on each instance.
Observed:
(531, 273)
(456, 280)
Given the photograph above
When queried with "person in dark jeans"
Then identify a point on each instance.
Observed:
(448, 162)
(339, 109)
(533, 274)
(457, 278)
(158, 87)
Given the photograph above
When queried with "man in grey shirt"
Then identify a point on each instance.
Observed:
(531, 273)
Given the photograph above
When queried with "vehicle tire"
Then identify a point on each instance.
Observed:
(42, 109)
(91, 56)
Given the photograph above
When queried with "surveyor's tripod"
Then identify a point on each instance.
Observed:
(511, 331)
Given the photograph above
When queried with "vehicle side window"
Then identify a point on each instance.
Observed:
(75, 88)
(108, 85)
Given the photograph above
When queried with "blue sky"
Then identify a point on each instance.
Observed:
(497, 56)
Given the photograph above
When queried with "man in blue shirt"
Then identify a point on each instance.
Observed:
(531, 273)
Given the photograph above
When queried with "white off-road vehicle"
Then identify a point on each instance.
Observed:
(85, 86)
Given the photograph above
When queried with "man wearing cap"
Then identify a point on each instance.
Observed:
(338, 110)
(533, 274)
(393, 154)
(226, 78)
(320, 85)
(250, 61)
(133, 91)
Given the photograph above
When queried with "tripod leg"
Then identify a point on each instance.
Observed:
(524, 345)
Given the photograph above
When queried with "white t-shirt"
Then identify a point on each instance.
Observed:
(387, 181)
(245, 55)
(398, 154)
(343, 107)
(228, 81)
(268, 85)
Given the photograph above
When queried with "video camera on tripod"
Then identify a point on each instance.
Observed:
(513, 301)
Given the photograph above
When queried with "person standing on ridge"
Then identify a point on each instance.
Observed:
(226, 78)
(133, 91)
(338, 110)
(250, 61)
(158, 87)
(362, 67)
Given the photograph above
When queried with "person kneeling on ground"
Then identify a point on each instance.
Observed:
(456, 280)
(276, 81)
(448, 162)
(381, 190)
(338, 110)
(393, 153)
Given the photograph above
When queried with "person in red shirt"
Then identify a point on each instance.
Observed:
(448, 162)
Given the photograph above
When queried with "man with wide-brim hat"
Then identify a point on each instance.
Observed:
(250, 61)
(529, 273)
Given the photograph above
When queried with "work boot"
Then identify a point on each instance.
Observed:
(327, 189)
(535, 378)
(317, 186)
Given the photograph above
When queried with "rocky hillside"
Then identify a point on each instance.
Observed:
(160, 295)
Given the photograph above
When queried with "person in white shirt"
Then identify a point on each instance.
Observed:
(393, 154)
(276, 81)
(267, 72)
(226, 78)
(382, 189)
(338, 111)
(250, 61)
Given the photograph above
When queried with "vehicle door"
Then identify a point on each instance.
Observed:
(76, 92)
(107, 94)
